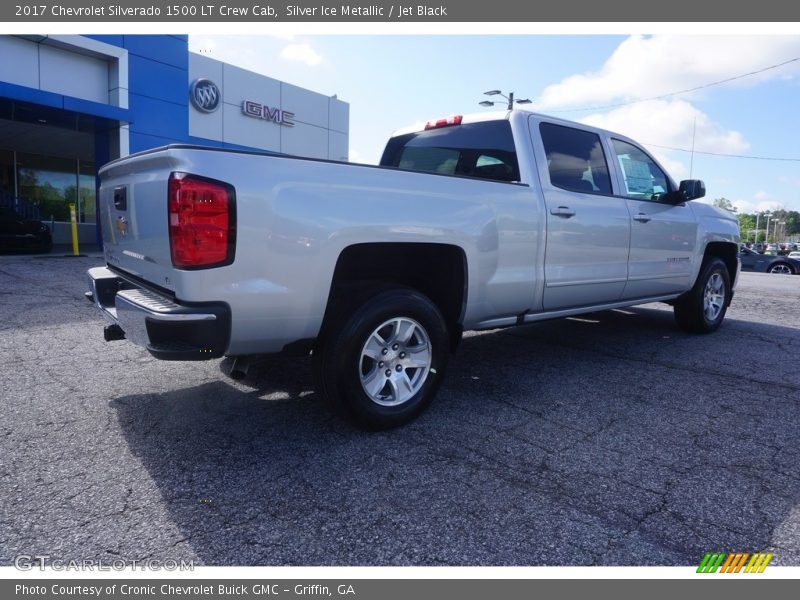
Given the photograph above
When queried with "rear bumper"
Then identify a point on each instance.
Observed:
(167, 329)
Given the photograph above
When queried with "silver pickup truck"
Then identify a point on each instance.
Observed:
(470, 222)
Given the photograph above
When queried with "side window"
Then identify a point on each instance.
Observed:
(644, 179)
(575, 159)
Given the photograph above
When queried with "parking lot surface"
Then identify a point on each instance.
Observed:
(609, 439)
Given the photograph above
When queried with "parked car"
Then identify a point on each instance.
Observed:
(765, 263)
(18, 234)
(794, 255)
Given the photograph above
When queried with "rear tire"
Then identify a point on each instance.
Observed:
(781, 268)
(702, 309)
(382, 357)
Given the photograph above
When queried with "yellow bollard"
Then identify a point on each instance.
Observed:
(74, 220)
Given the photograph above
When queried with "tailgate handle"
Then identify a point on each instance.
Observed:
(121, 198)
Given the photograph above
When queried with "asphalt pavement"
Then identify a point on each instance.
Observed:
(609, 439)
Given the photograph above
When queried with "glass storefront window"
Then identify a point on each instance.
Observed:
(49, 182)
(6, 172)
(54, 183)
(86, 192)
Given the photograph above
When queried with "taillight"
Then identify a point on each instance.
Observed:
(449, 121)
(202, 222)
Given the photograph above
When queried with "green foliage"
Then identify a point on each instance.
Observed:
(789, 229)
(747, 227)
(724, 203)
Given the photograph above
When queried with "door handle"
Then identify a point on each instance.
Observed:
(562, 211)
(641, 217)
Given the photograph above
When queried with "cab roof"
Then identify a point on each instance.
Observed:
(506, 115)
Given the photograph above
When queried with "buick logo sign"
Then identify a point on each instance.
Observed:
(205, 95)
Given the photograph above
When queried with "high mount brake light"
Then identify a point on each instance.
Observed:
(202, 222)
(448, 122)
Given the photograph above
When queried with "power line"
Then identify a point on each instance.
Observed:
(775, 158)
(686, 91)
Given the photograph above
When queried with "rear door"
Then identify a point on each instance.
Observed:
(663, 234)
(588, 227)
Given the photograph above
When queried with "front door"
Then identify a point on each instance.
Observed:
(663, 234)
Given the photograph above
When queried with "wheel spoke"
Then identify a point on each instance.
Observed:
(401, 387)
(374, 383)
(403, 331)
(374, 346)
(717, 284)
(418, 357)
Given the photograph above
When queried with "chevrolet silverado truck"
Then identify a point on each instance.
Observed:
(468, 223)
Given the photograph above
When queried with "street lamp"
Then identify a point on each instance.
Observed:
(766, 230)
(775, 234)
(509, 100)
(755, 237)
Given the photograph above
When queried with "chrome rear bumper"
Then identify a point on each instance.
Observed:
(167, 329)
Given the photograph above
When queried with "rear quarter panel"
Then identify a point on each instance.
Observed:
(295, 216)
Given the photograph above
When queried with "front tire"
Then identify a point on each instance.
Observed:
(702, 309)
(381, 359)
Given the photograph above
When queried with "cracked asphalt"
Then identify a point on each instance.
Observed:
(610, 439)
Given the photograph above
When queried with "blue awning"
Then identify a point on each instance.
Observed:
(29, 104)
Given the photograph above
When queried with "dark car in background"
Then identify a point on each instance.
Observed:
(18, 234)
(766, 263)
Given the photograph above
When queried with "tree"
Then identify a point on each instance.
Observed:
(792, 219)
(724, 203)
(747, 226)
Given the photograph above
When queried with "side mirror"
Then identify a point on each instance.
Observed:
(691, 189)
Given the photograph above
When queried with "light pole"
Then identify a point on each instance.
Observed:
(509, 100)
(775, 233)
(766, 230)
(755, 237)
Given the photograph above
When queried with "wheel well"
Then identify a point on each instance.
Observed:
(437, 270)
(729, 254)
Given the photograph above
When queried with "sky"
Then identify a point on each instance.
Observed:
(624, 83)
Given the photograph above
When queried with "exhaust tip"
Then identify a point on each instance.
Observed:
(241, 364)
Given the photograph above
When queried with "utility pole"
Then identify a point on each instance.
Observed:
(691, 160)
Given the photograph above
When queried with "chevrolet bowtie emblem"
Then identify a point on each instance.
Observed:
(122, 225)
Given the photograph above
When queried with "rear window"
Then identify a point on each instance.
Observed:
(485, 150)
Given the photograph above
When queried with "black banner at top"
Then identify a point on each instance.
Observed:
(321, 11)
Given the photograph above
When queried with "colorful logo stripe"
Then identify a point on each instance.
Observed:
(734, 562)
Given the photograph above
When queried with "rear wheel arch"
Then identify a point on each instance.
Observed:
(438, 271)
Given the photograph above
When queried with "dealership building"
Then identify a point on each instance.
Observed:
(70, 103)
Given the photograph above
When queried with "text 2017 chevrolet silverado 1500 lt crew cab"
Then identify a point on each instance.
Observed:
(473, 222)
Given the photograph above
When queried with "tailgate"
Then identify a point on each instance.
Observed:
(134, 215)
(159, 219)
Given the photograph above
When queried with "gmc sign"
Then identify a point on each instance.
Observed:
(262, 111)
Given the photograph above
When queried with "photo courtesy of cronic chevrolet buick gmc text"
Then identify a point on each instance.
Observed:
(473, 222)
